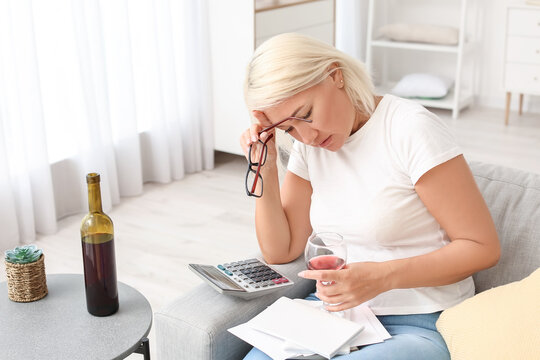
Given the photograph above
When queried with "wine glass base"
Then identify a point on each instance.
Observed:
(340, 314)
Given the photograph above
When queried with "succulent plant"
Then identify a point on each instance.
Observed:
(23, 254)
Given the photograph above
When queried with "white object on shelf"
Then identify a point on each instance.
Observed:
(422, 85)
(422, 33)
(522, 54)
(448, 102)
(459, 97)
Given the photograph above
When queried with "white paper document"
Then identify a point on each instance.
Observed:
(289, 328)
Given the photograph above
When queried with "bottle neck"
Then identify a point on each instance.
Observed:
(94, 198)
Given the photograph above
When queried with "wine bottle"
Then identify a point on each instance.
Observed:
(97, 237)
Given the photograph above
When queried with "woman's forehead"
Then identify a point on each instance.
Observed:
(293, 106)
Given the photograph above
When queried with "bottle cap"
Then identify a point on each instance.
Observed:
(92, 178)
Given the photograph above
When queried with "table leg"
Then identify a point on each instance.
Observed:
(508, 98)
(520, 104)
(144, 349)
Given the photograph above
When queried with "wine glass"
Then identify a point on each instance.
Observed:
(325, 251)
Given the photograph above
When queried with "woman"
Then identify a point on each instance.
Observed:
(382, 171)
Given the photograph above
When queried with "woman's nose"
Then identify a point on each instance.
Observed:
(307, 133)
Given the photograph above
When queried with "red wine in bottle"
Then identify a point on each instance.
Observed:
(97, 238)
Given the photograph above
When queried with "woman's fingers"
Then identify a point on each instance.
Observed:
(246, 141)
(261, 118)
(329, 290)
(251, 135)
(254, 132)
(339, 307)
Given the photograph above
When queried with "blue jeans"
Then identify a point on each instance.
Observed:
(414, 337)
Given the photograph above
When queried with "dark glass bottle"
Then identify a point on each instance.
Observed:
(97, 237)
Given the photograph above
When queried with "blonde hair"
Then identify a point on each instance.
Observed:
(290, 63)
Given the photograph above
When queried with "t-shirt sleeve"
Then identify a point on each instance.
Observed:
(297, 160)
(422, 141)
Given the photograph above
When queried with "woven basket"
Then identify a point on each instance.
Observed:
(26, 282)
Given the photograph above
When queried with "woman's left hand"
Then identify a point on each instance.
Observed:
(353, 285)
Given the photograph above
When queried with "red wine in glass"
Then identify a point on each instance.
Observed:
(326, 262)
(325, 251)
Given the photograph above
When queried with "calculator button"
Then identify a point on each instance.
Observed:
(276, 281)
(228, 273)
(221, 267)
(284, 280)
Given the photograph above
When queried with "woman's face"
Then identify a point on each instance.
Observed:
(333, 117)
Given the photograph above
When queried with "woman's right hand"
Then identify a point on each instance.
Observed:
(251, 136)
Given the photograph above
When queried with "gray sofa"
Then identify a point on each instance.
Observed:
(195, 325)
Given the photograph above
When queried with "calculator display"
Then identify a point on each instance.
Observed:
(216, 277)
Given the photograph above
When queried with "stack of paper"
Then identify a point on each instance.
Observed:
(289, 328)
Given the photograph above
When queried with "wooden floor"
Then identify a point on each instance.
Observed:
(207, 217)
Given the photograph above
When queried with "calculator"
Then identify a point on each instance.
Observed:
(246, 279)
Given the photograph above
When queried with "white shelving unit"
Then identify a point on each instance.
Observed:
(459, 96)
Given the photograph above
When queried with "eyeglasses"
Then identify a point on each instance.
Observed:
(257, 158)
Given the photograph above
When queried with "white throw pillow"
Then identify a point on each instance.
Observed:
(444, 35)
(420, 85)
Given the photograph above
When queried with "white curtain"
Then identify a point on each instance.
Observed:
(119, 87)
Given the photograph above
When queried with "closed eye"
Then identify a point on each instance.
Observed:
(305, 118)
(309, 113)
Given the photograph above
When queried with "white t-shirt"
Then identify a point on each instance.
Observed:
(365, 191)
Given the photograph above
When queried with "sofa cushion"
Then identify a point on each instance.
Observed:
(500, 323)
(513, 198)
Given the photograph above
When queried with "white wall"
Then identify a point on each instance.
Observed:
(490, 24)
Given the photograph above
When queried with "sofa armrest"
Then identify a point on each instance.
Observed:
(195, 325)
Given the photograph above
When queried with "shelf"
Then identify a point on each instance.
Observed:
(465, 98)
(464, 50)
(414, 46)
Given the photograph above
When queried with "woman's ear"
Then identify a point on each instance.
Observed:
(336, 74)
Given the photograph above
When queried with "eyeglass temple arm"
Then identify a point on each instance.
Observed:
(259, 166)
(282, 121)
